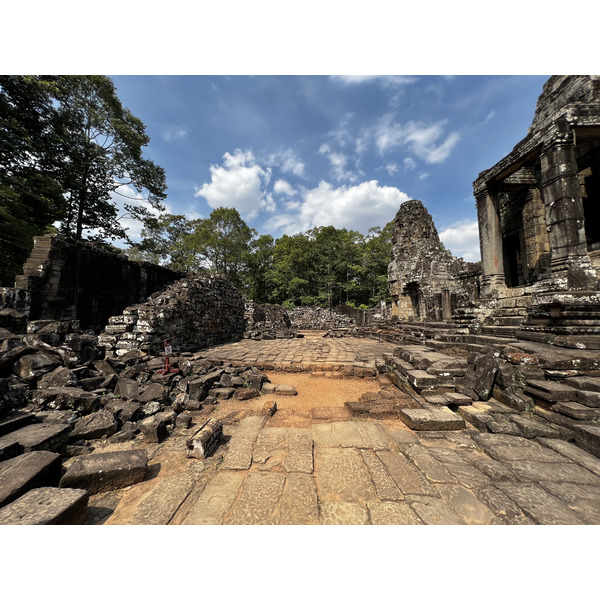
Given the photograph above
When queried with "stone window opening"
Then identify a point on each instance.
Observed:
(590, 193)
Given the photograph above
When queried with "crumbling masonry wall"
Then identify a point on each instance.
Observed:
(78, 280)
(425, 281)
(192, 313)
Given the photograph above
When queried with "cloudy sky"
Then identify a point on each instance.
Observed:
(295, 152)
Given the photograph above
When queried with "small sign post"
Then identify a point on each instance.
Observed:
(168, 352)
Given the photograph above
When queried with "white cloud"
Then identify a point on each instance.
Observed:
(287, 161)
(283, 187)
(356, 207)
(424, 140)
(409, 164)
(423, 176)
(391, 168)
(385, 80)
(462, 239)
(238, 184)
(173, 132)
(338, 163)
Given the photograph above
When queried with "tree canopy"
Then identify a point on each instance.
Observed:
(67, 145)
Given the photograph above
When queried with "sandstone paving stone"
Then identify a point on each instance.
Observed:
(9, 449)
(270, 445)
(531, 471)
(502, 506)
(349, 434)
(15, 420)
(159, 507)
(384, 485)
(583, 499)
(465, 504)
(47, 506)
(239, 451)
(106, 471)
(341, 476)
(258, 500)
(540, 506)
(344, 513)
(40, 436)
(216, 499)
(392, 513)
(447, 455)
(94, 426)
(469, 476)
(531, 452)
(574, 453)
(401, 436)
(431, 419)
(299, 455)
(22, 473)
(433, 510)
(406, 476)
(588, 438)
(299, 503)
(434, 471)
(494, 469)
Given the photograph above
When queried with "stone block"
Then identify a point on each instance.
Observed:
(40, 436)
(127, 389)
(31, 470)
(154, 429)
(246, 394)
(154, 392)
(588, 438)
(269, 388)
(32, 366)
(205, 439)
(269, 408)
(47, 506)
(106, 471)
(432, 419)
(94, 426)
(282, 389)
(15, 420)
(576, 410)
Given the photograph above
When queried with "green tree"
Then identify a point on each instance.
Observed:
(166, 240)
(102, 145)
(221, 243)
(260, 267)
(30, 196)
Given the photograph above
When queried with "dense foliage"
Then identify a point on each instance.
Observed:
(324, 266)
(67, 146)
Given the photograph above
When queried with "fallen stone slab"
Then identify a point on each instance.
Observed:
(20, 474)
(246, 394)
(61, 398)
(15, 420)
(588, 438)
(576, 411)
(94, 426)
(127, 389)
(39, 436)
(205, 439)
(222, 393)
(106, 471)
(431, 419)
(154, 429)
(33, 366)
(198, 388)
(269, 388)
(47, 506)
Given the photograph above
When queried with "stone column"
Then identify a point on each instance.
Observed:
(490, 242)
(570, 263)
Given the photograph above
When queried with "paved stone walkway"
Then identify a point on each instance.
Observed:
(334, 356)
(374, 472)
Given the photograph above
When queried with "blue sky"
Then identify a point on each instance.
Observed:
(294, 152)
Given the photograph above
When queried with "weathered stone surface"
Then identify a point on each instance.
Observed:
(530, 471)
(33, 366)
(239, 453)
(31, 470)
(159, 507)
(588, 438)
(59, 377)
(406, 476)
(524, 450)
(344, 513)
(582, 499)
(432, 419)
(47, 506)
(258, 500)
(502, 506)
(392, 513)
(94, 426)
(384, 485)
(127, 389)
(205, 439)
(299, 504)
(578, 455)
(269, 388)
(349, 435)
(433, 470)
(269, 408)
(15, 420)
(341, 476)
(283, 389)
(246, 394)
(39, 436)
(216, 499)
(154, 429)
(433, 511)
(61, 398)
(465, 504)
(299, 456)
(154, 392)
(105, 471)
(539, 505)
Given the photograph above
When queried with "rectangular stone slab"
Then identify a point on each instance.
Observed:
(434, 419)
(20, 474)
(106, 471)
(40, 436)
(14, 421)
(47, 506)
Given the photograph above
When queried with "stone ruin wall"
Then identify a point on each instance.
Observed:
(425, 281)
(266, 321)
(309, 317)
(78, 280)
(192, 313)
